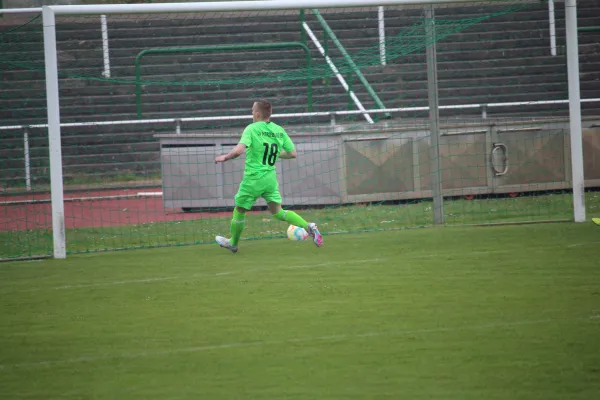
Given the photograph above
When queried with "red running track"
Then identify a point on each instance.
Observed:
(92, 213)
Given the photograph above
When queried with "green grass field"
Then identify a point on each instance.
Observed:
(510, 312)
(331, 219)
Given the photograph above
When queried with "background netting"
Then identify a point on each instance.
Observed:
(152, 181)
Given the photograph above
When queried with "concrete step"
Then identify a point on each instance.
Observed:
(91, 38)
(503, 55)
(282, 22)
(70, 150)
(135, 137)
(137, 38)
(221, 98)
(485, 94)
(78, 161)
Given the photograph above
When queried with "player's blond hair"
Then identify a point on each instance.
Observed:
(264, 107)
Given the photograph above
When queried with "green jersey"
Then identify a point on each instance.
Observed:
(265, 141)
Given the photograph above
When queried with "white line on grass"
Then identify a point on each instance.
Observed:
(583, 244)
(279, 342)
(340, 263)
(437, 255)
(327, 264)
(166, 278)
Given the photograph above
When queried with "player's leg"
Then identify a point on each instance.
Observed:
(244, 200)
(238, 223)
(274, 200)
(285, 215)
(293, 218)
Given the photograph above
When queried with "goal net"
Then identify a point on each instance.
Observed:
(148, 100)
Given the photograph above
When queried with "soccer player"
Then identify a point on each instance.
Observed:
(596, 221)
(263, 142)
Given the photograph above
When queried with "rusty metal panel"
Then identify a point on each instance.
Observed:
(463, 161)
(378, 166)
(423, 144)
(314, 177)
(591, 153)
(534, 157)
(233, 172)
(188, 173)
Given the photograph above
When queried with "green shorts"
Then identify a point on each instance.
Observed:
(250, 190)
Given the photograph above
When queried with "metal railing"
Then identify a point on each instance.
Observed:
(332, 114)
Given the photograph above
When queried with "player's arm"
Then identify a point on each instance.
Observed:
(237, 151)
(289, 150)
(288, 155)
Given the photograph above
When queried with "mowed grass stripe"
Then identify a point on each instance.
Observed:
(454, 313)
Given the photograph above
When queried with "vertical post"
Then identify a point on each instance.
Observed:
(552, 22)
(434, 117)
(381, 20)
(27, 159)
(105, 53)
(302, 32)
(575, 111)
(54, 142)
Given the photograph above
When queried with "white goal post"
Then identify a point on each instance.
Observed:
(53, 100)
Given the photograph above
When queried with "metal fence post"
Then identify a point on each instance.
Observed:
(27, 159)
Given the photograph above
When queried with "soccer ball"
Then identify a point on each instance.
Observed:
(296, 233)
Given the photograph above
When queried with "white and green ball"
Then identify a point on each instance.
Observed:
(296, 233)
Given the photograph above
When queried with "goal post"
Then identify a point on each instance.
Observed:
(54, 138)
(470, 126)
(575, 110)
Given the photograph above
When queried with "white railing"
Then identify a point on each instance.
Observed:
(32, 10)
(332, 114)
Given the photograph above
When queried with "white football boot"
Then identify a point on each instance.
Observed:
(226, 243)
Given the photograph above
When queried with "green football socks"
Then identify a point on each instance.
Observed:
(237, 226)
(292, 218)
